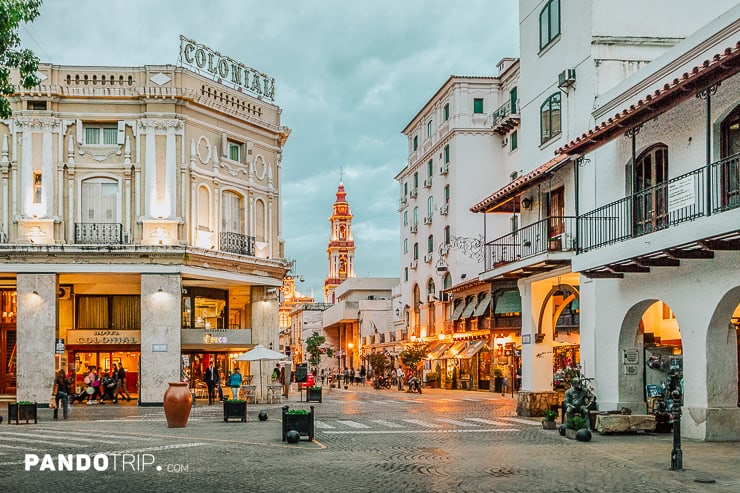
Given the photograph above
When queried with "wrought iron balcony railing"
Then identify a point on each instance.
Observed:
(531, 240)
(98, 233)
(505, 118)
(237, 243)
(711, 189)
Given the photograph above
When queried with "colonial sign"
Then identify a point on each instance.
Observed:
(225, 70)
(105, 336)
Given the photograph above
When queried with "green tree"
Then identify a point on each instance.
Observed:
(379, 362)
(12, 13)
(314, 349)
(414, 353)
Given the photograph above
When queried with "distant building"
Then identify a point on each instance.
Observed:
(341, 249)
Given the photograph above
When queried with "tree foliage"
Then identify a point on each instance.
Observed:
(379, 362)
(314, 349)
(12, 13)
(414, 353)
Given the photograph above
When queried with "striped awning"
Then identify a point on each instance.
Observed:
(438, 350)
(469, 309)
(473, 349)
(454, 350)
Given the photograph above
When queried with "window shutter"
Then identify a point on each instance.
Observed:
(121, 132)
(80, 133)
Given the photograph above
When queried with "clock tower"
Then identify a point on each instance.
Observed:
(341, 250)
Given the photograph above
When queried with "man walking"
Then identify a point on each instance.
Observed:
(399, 377)
(212, 379)
(121, 384)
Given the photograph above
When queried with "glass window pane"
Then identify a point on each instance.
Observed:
(92, 135)
(110, 136)
(554, 18)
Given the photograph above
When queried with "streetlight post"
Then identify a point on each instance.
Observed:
(676, 454)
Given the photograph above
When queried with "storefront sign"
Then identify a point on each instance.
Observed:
(59, 346)
(105, 336)
(211, 339)
(630, 356)
(225, 70)
(681, 193)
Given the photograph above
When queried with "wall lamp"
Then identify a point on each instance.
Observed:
(526, 202)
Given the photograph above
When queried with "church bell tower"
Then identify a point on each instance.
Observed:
(341, 250)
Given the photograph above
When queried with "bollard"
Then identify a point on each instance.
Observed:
(676, 454)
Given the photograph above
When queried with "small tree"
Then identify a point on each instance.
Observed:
(314, 349)
(414, 353)
(379, 362)
(12, 13)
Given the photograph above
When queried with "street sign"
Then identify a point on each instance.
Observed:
(59, 346)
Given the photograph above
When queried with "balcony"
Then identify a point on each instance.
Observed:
(98, 234)
(532, 240)
(505, 118)
(237, 243)
(708, 190)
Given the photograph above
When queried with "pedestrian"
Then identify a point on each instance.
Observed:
(61, 393)
(322, 376)
(352, 375)
(362, 374)
(235, 382)
(345, 376)
(399, 377)
(212, 379)
(121, 388)
(276, 373)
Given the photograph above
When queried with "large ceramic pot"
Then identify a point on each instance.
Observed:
(177, 402)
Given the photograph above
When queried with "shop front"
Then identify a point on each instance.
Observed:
(7, 341)
(101, 349)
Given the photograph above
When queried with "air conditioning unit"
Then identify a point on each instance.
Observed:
(428, 219)
(443, 210)
(444, 169)
(404, 200)
(428, 182)
(65, 292)
(567, 78)
(414, 228)
(414, 263)
(444, 248)
(428, 257)
(413, 193)
(504, 142)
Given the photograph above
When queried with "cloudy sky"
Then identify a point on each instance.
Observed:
(349, 74)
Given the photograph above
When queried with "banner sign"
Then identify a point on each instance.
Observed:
(225, 70)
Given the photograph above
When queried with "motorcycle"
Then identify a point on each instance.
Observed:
(382, 383)
(414, 385)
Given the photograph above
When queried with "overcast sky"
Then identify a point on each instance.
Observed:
(349, 76)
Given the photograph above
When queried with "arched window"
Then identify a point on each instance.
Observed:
(416, 216)
(406, 245)
(650, 199)
(549, 22)
(730, 154)
(416, 251)
(204, 209)
(431, 290)
(550, 118)
(430, 206)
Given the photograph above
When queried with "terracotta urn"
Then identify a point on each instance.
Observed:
(177, 402)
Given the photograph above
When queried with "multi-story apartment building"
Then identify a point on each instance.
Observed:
(563, 78)
(457, 144)
(140, 217)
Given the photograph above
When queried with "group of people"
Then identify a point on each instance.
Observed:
(98, 387)
(350, 376)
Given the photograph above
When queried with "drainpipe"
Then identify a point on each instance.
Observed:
(578, 222)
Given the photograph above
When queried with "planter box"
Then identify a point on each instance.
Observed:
(21, 412)
(302, 423)
(313, 394)
(235, 410)
(549, 425)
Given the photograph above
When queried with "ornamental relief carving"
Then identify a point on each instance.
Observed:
(36, 123)
(161, 125)
(203, 149)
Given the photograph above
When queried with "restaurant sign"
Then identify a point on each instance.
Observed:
(225, 70)
(104, 336)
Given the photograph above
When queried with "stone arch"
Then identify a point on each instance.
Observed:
(574, 294)
(631, 387)
(722, 354)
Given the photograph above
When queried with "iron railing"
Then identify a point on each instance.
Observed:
(237, 243)
(502, 112)
(531, 240)
(707, 190)
(99, 233)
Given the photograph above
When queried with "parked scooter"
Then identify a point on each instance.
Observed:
(414, 385)
(382, 382)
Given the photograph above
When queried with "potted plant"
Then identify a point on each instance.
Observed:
(22, 410)
(548, 422)
(313, 394)
(554, 244)
(577, 428)
(299, 420)
(235, 408)
(432, 380)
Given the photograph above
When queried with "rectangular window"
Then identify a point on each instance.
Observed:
(447, 235)
(37, 187)
(416, 142)
(478, 105)
(447, 154)
(96, 135)
(235, 151)
(514, 140)
(447, 194)
(429, 128)
(430, 168)
(406, 274)
(446, 112)
(416, 181)
(406, 245)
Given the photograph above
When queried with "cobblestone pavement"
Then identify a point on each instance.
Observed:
(366, 441)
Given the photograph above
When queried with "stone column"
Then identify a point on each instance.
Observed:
(265, 332)
(160, 335)
(36, 331)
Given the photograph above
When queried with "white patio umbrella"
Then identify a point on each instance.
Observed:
(261, 353)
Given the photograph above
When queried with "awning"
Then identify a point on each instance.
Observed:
(438, 350)
(454, 350)
(468, 312)
(458, 311)
(509, 302)
(483, 305)
(473, 349)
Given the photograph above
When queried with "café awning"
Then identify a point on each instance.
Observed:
(458, 311)
(469, 309)
(473, 349)
(438, 350)
(454, 350)
(482, 306)
(509, 302)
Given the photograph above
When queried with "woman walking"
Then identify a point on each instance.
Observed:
(62, 393)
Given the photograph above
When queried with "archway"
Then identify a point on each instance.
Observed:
(723, 353)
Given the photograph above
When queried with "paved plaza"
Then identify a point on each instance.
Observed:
(367, 440)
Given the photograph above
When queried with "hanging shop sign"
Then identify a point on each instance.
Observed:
(82, 337)
(225, 70)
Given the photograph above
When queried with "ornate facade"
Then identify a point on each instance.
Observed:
(341, 250)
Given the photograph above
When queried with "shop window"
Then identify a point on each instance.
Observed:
(205, 308)
(120, 312)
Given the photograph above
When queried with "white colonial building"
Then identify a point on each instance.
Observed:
(140, 220)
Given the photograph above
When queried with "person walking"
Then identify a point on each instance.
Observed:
(235, 382)
(121, 384)
(62, 385)
(399, 377)
(212, 379)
